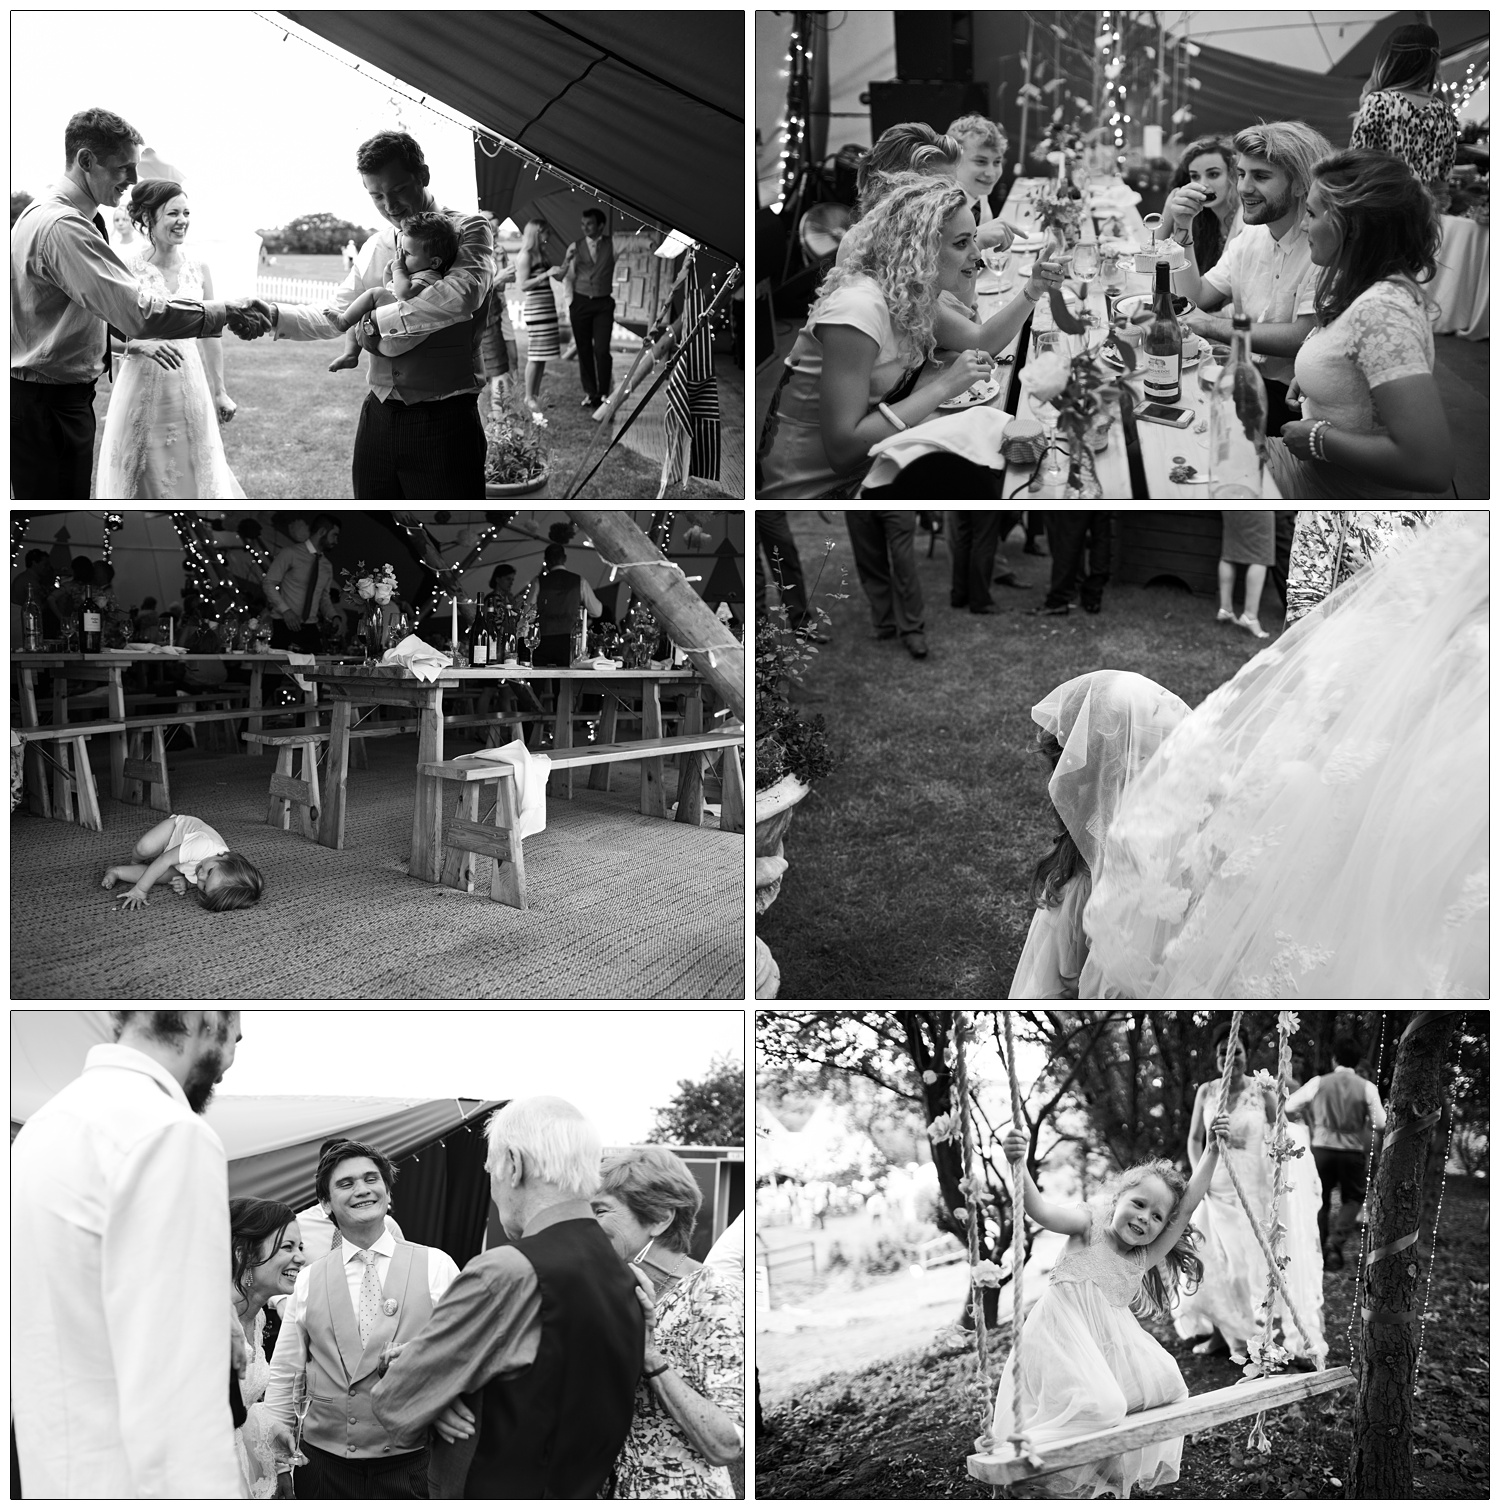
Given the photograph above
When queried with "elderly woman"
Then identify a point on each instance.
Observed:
(690, 1404)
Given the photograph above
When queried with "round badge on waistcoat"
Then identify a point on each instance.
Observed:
(390, 1308)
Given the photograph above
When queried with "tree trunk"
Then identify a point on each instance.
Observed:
(1380, 1464)
(682, 613)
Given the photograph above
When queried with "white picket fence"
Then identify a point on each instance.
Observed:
(295, 290)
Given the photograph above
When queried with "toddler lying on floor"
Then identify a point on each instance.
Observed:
(198, 857)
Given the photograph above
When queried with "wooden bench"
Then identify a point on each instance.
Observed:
(651, 752)
(290, 794)
(448, 859)
(73, 796)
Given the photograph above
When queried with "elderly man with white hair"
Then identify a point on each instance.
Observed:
(533, 1355)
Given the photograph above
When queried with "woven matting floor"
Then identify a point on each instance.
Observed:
(620, 906)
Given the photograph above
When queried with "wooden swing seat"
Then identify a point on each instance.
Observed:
(1183, 1419)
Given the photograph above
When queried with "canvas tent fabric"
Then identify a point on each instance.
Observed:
(647, 106)
(442, 1192)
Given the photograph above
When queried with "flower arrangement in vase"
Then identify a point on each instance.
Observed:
(376, 588)
(1085, 392)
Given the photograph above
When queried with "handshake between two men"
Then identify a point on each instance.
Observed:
(250, 319)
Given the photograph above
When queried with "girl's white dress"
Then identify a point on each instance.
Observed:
(161, 435)
(1087, 1363)
(1235, 1277)
(256, 1455)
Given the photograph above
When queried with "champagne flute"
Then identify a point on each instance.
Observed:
(1085, 265)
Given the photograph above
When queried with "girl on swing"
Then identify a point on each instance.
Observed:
(1086, 1362)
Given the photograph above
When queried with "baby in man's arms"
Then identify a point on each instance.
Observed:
(426, 247)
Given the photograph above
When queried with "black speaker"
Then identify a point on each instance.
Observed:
(895, 100)
(935, 44)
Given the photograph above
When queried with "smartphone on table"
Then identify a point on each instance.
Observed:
(1165, 414)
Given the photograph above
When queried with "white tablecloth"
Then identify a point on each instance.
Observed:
(1462, 284)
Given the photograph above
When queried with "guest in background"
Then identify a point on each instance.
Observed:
(887, 567)
(39, 577)
(1373, 424)
(1247, 538)
(1402, 112)
(851, 376)
(1079, 542)
(1208, 164)
(909, 147)
(1332, 545)
(1286, 529)
(983, 145)
(689, 1419)
(534, 280)
(1266, 271)
(296, 586)
(590, 263)
(559, 597)
(775, 544)
(68, 598)
(973, 539)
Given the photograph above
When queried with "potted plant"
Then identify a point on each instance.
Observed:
(515, 458)
(791, 752)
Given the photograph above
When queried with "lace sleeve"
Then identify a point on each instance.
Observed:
(1388, 336)
(153, 296)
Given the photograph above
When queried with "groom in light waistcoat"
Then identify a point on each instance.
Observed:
(371, 1293)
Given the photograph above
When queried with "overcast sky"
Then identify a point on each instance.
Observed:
(615, 1066)
(266, 126)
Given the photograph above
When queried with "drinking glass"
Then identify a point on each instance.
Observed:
(1085, 262)
(998, 263)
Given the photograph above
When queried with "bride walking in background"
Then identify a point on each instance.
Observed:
(161, 436)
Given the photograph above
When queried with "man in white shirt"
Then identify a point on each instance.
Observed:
(370, 1295)
(1346, 1113)
(120, 1340)
(1267, 270)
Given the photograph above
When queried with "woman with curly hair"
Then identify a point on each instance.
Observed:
(1208, 164)
(851, 377)
(1372, 421)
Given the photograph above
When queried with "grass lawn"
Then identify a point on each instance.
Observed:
(909, 865)
(293, 437)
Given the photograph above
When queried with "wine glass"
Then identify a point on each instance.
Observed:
(1085, 263)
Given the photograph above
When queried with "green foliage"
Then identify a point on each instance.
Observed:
(321, 233)
(19, 199)
(706, 1113)
(515, 444)
(786, 742)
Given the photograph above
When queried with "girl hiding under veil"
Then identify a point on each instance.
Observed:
(1099, 731)
(1320, 825)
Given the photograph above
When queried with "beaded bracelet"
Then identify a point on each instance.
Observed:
(1315, 440)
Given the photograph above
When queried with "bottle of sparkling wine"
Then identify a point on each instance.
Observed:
(1162, 347)
(479, 639)
(1237, 423)
(31, 621)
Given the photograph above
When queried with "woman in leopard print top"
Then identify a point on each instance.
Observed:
(1400, 111)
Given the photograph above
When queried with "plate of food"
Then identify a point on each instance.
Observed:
(976, 393)
(1134, 304)
(1192, 353)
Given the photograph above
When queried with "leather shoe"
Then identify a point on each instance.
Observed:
(1060, 612)
(916, 645)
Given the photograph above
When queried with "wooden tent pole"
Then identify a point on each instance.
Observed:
(683, 614)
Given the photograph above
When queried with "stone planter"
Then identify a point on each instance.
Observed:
(536, 487)
(774, 810)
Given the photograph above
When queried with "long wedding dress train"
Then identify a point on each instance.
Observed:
(1319, 826)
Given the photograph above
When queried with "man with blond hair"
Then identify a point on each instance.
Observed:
(532, 1357)
(1267, 270)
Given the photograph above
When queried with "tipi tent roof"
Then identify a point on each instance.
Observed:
(647, 106)
(272, 1141)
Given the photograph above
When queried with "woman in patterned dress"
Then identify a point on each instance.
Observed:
(534, 279)
(690, 1404)
(161, 435)
(1331, 545)
(1402, 113)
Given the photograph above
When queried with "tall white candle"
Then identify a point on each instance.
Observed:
(454, 641)
(170, 623)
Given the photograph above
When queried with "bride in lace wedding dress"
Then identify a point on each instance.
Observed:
(161, 436)
(1319, 826)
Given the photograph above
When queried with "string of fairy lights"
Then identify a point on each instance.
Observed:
(797, 71)
(1459, 92)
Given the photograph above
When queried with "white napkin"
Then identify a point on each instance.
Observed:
(299, 658)
(596, 663)
(975, 434)
(418, 657)
(531, 783)
(142, 647)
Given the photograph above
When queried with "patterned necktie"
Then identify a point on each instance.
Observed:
(369, 1296)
